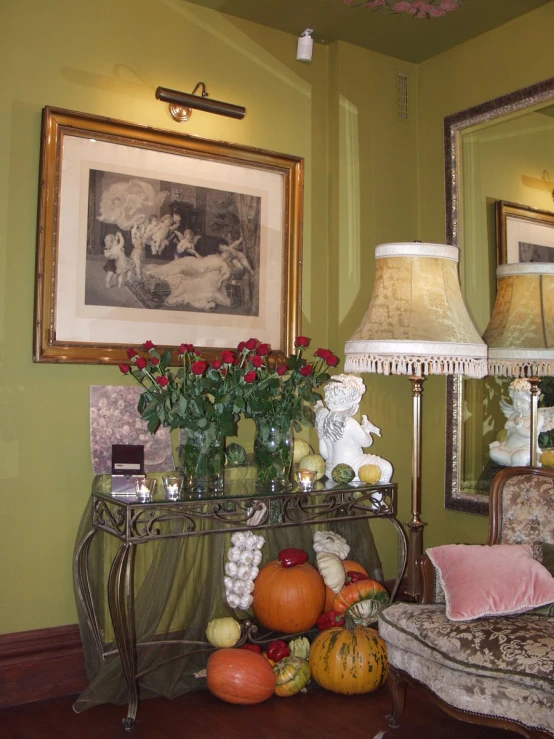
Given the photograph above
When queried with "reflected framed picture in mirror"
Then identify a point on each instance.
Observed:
(491, 152)
(523, 233)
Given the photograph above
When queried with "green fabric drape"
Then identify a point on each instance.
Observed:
(178, 589)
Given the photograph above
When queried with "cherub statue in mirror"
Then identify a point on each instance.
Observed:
(512, 447)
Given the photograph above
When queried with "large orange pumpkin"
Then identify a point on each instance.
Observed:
(288, 599)
(240, 676)
(349, 661)
(349, 566)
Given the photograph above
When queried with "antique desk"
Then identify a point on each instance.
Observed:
(131, 525)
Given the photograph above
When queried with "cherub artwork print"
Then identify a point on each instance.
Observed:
(160, 245)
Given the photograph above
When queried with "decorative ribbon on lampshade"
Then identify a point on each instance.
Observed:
(520, 334)
(416, 322)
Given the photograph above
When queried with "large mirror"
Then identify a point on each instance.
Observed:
(499, 159)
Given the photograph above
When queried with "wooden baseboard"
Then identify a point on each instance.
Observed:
(40, 664)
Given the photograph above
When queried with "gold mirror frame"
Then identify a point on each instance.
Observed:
(454, 127)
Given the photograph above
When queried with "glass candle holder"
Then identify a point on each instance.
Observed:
(173, 484)
(145, 489)
(305, 479)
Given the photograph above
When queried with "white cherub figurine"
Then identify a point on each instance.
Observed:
(341, 438)
(515, 449)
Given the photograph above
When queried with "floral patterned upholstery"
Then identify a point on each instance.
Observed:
(497, 666)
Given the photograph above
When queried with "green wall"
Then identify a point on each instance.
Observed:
(369, 179)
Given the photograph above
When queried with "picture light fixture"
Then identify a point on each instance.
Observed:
(181, 104)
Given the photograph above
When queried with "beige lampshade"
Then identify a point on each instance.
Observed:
(416, 322)
(520, 334)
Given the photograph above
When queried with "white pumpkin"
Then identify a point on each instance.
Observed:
(331, 570)
(328, 541)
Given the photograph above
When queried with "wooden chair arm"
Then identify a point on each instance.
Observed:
(427, 579)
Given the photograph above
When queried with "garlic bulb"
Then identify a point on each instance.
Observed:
(331, 570)
(245, 602)
(233, 600)
(231, 569)
(242, 568)
(328, 541)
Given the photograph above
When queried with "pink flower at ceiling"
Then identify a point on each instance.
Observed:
(416, 8)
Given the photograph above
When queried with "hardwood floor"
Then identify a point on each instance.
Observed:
(316, 714)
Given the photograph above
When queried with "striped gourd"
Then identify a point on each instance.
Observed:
(349, 661)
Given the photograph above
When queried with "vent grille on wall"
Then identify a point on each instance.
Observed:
(402, 91)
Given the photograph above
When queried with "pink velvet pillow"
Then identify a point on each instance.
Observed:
(493, 580)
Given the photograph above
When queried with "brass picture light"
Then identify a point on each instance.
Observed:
(181, 104)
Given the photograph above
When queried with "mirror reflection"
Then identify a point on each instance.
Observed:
(500, 208)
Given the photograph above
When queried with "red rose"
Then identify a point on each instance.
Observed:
(198, 368)
(332, 361)
(227, 357)
(323, 353)
(216, 364)
(162, 380)
(306, 370)
(240, 347)
(251, 344)
(155, 361)
(301, 341)
(124, 368)
(148, 345)
(131, 353)
(141, 363)
(257, 361)
(263, 350)
(281, 369)
(250, 377)
(182, 349)
(223, 371)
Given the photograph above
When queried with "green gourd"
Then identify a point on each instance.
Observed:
(343, 473)
(235, 455)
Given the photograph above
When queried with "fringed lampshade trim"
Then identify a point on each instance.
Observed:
(519, 368)
(416, 365)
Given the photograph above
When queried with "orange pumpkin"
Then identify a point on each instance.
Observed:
(358, 591)
(240, 676)
(349, 566)
(349, 661)
(288, 599)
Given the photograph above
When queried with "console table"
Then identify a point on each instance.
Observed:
(133, 524)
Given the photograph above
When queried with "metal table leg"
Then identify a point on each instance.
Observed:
(121, 603)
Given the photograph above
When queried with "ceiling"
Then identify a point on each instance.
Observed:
(397, 35)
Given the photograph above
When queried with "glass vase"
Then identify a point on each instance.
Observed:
(273, 454)
(201, 458)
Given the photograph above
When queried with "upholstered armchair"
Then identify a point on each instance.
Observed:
(496, 670)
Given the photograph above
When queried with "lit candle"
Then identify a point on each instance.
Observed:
(305, 479)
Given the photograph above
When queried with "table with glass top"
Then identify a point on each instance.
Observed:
(170, 574)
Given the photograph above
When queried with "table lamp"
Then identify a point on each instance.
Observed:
(520, 333)
(416, 324)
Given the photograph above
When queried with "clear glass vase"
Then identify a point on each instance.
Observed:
(273, 453)
(201, 459)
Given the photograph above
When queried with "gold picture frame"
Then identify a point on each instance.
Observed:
(523, 234)
(149, 234)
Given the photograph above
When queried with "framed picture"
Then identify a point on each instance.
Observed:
(523, 234)
(149, 234)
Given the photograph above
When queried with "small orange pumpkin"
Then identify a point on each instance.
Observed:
(240, 676)
(349, 566)
(288, 599)
(349, 661)
(355, 592)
